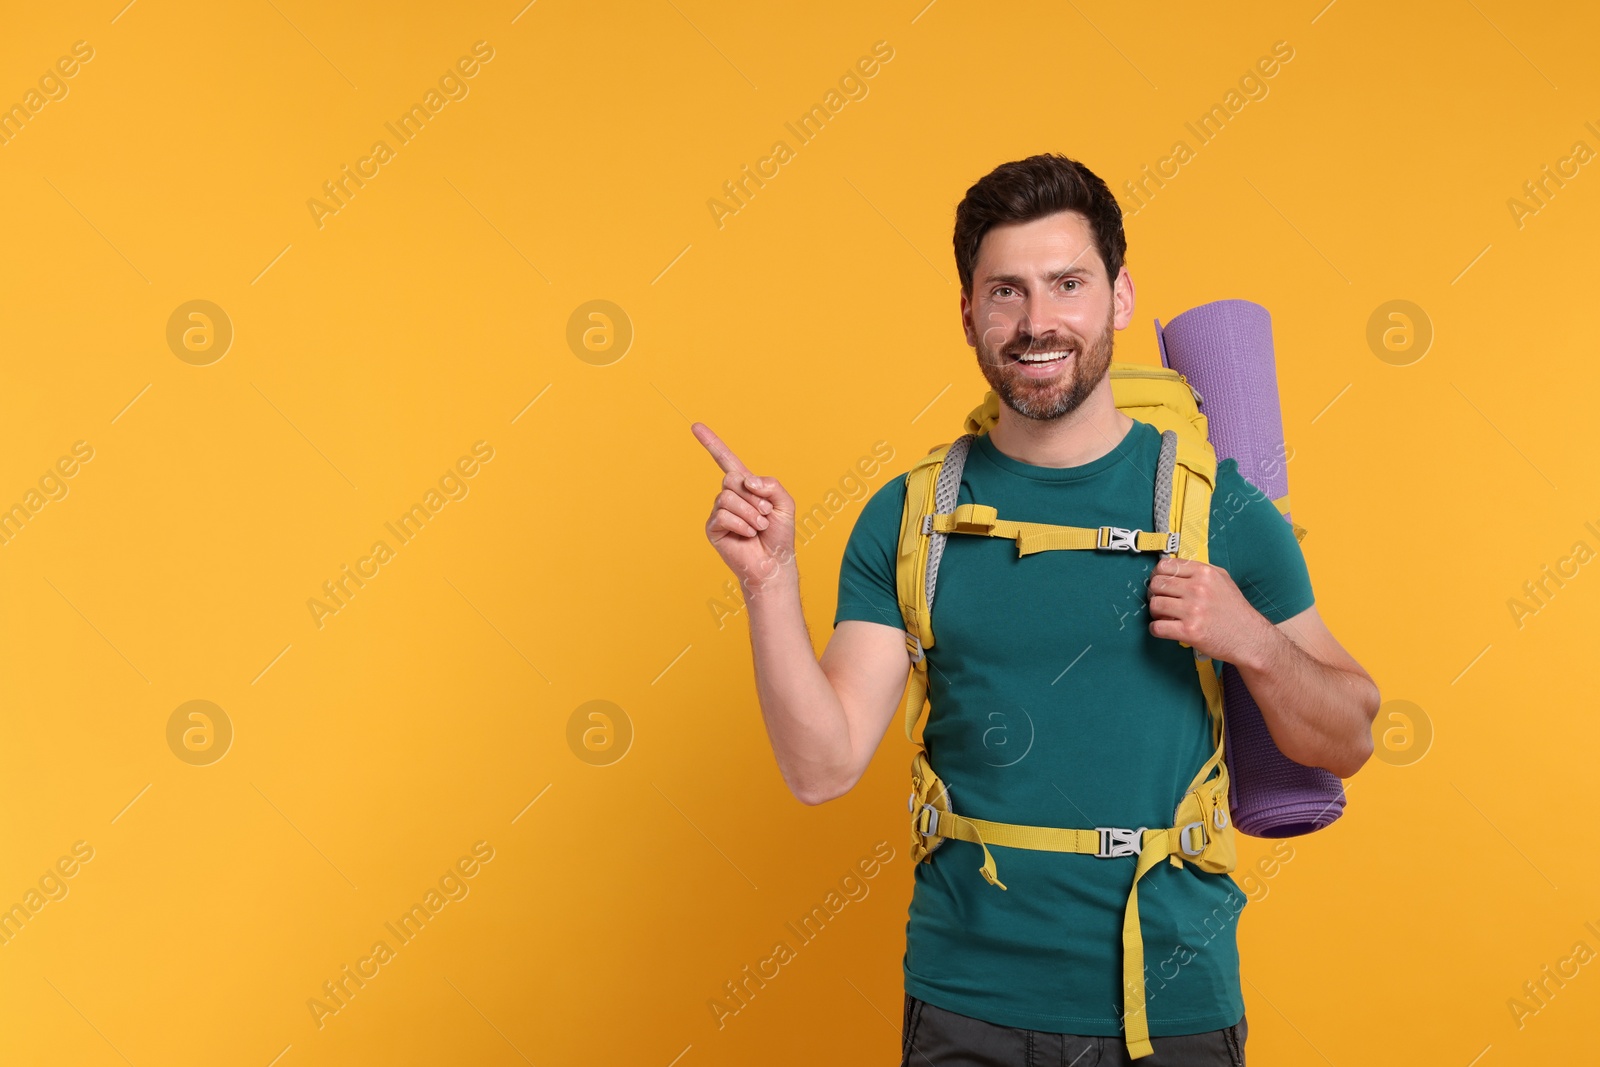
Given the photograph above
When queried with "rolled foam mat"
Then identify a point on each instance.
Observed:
(1224, 349)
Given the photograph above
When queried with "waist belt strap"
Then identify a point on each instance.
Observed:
(1150, 846)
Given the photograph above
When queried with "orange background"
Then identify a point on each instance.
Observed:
(434, 710)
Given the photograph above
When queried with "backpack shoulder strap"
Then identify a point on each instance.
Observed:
(1165, 399)
(932, 485)
(1185, 478)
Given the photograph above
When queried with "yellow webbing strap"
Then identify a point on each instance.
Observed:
(911, 569)
(954, 826)
(1212, 687)
(1035, 536)
(983, 832)
(916, 696)
(1156, 845)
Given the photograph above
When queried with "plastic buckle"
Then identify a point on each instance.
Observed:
(1117, 539)
(1183, 838)
(1119, 841)
(1172, 542)
(927, 524)
(914, 647)
(932, 829)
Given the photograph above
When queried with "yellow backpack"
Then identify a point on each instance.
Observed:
(1202, 831)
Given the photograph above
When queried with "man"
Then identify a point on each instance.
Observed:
(1059, 694)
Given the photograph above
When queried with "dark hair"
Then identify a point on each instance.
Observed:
(1032, 188)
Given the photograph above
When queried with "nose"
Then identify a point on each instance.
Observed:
(1037, 314)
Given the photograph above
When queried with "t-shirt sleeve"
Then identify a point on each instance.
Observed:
(867, 571)
(1264, 559)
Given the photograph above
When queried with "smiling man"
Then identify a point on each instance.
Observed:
(1060, 695)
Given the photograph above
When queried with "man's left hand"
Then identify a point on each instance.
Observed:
(1200, 604)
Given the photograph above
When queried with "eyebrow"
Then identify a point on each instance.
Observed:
(1012, 279)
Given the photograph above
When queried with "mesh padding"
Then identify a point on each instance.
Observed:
(945, 492)
(1169, 454)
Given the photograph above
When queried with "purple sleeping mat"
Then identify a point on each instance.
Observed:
(1224, 349)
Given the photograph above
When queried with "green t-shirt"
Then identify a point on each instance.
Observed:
(1052, 704)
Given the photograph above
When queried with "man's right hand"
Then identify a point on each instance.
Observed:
(752, 519)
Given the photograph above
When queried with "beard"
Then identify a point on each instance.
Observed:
(1058, 396)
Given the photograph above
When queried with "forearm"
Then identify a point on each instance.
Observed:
(805, 720)
(1318, 715)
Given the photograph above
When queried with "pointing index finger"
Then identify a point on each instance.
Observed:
(720, 452)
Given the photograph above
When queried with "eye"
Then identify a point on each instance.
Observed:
(1002, 289)
(1072, 281)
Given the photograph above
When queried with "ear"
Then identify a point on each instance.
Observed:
(1122, 297)
(966, 321)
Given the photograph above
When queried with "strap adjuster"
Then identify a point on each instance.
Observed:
(914, 648)
(1119, 841)
(1199, 829)
(932, 820)
(1120, 539)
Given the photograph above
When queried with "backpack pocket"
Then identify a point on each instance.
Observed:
(929, 797)
(1205, 827)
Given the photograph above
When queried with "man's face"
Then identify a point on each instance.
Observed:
(1039, 289)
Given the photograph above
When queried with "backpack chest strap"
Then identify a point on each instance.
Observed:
(982, 519)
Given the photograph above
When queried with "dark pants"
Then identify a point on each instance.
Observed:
(934, 1037)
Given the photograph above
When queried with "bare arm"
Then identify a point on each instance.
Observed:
(824, 719)
(1317, 701)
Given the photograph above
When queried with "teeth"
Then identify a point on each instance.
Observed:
(1044, 357)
